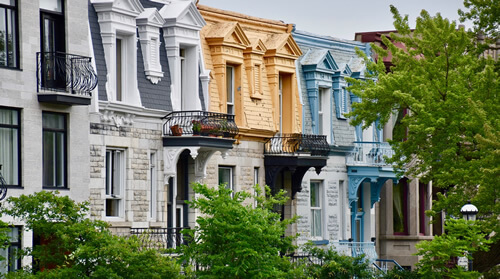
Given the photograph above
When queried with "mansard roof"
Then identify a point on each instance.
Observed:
(150, 16)
(282, 44)
(182, 13)
(320, 59)
(127, 7)
(357, 66)
(227, 33)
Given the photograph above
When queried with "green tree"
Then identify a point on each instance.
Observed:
(234, 240)
(73, 246)
(462, 238)
(450, 135)
(485, 14)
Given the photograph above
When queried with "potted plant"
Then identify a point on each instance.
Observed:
(224, 127)
(196, 127)
(176, 130)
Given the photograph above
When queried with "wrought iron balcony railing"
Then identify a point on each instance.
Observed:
(316, 145)
(369, 154)
(201, 123)
(355, 249)
(160, 238)
(63, 72)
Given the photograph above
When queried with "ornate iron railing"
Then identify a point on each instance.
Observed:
(355, 249)
(296, 144)
(58, 71)
(201, 123)
(160, 238)
(370, 154)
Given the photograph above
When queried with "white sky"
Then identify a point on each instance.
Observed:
(339, 18)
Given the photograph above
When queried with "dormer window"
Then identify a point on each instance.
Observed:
(341, 103)
(149, 23)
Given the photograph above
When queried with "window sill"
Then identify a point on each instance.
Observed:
(55, 188)
(11, 68)
(321, 242)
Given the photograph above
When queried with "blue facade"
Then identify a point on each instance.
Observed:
(324, 66)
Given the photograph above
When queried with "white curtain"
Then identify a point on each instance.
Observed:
(8, 146)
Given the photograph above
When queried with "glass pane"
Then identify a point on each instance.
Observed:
(8, 117)
(316, 222)
(320, 123)
(108, 172)
(48, 159)
(117, 167)
(59, 156)
(11, 19)
(112, 207)
(3, 38)
(9, 155)
(314, 194)
(398, 214)
(51, 5)
(225, 176)
(53, 121)
(229, 84)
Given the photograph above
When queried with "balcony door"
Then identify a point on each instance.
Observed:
(52, 31)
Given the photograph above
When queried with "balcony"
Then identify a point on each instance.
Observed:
(199, 128)
(355, 249)
(369, 154)
(160, 238)
(64, 78)
(295, 144)
(295, 153)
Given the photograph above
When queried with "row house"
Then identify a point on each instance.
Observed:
(338, 208)
(400, 217)
(252, 63)
(46, 83)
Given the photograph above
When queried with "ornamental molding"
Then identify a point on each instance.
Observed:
(117, 119)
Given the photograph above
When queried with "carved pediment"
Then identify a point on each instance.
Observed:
(256, 46)
(283, 44)
(227, 33)
(182, 13)
(150, 16)
(321, 58)
(345, 70)
(128, 7)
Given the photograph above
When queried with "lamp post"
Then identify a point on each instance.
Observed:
(469, 211)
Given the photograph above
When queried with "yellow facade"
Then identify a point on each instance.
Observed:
(260, 56)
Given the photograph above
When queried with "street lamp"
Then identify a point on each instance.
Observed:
(469, 211)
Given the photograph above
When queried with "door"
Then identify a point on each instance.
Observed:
(53, 47)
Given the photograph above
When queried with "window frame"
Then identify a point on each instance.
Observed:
(14, 10)
(19, 146)
(230, 183)
(422, 204)
(404, 206)
(9, 250)
(230, 89)
(64, 131)
(117, 154)
(318, 208)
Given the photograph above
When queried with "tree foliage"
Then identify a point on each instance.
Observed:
(485, 14)
(462, 238)
(73, 246)
(450, 135)
(233, 240)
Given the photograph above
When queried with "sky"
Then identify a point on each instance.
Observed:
(339, 18)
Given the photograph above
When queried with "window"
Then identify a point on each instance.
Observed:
(422, 203)
(10, 146)
(230, 89)
(255, 182)
(9, 45)
(400, 209)
(54, 149)
(53, 41)
(226, 177)
(11, 261)
(119, 69)
(320, 112)
(315, 198)
(115, 182)
(257, 79)
(152, 186)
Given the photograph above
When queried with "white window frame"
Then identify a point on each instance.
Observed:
(316, 209)
(230, 183)
(118, 160)
(230, 89)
